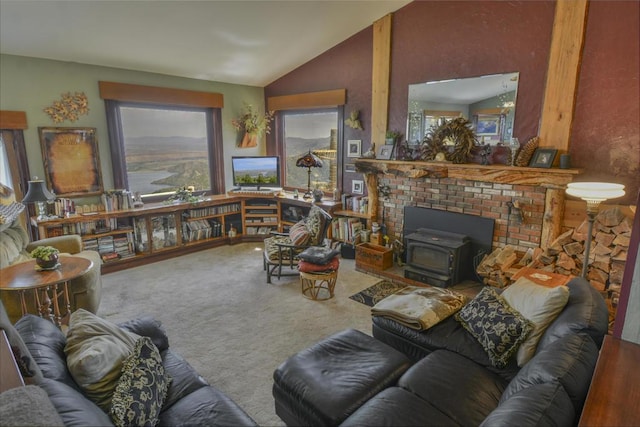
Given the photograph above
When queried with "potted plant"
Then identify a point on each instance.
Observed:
(46, 256)
(252, 124)
(392, 136)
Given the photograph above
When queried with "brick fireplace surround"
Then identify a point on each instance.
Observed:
(475, 190)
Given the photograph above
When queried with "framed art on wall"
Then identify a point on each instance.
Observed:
(71, 161)
(354, 148)
(357, 186)
(543, 158)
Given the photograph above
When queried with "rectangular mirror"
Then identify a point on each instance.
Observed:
(489, 102)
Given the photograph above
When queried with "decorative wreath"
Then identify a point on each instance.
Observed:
(454, 138)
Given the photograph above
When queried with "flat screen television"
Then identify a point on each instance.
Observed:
(255, 171)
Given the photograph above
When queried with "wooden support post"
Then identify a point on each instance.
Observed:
(380, 78)
(562, 75)
(372, 190)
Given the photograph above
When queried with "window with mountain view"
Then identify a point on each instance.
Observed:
(165, 149)
(315, 131)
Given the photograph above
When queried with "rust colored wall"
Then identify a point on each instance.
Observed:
(605, 139)
(437, 40)
(347, 65)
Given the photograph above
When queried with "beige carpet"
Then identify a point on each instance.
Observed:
(224, 319)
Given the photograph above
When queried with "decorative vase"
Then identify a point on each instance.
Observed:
(48, 264)
(317, 195)
(249, 140)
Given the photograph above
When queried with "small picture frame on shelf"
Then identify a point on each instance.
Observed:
(543, 158)
(350, 167)
(357, 186)
(354, 148)
(385, 152)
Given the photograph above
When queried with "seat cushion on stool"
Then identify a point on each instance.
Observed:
(309, 267)
(324, 384)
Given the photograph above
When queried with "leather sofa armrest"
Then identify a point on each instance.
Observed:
(69, 244)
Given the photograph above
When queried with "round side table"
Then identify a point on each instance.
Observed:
(25, 278)
(318, 286)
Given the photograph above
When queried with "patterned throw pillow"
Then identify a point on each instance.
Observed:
(299, 234)
(142, 388)
(497, 327)
(315, 224)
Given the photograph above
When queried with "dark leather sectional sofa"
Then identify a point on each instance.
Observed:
(190, 399)
(450, 380)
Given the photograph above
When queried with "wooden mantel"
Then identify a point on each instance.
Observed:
(553, 180)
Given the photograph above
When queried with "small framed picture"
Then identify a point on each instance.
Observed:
(350, 167)
(543, 158)
(354, 148)
(385, 152)
(357, 186)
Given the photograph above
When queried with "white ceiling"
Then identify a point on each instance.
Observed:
(243, 42)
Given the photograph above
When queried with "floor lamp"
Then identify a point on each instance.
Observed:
(593, 193)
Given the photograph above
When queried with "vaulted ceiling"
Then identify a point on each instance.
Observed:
(242, 42)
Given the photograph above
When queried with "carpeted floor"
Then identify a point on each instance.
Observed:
(234, 328)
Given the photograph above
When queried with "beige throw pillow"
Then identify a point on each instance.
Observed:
(538, 304)
(95, 351)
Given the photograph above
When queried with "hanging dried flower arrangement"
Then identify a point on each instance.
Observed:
(70, 107)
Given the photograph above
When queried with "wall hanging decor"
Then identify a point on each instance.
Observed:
(70, 107)
(253, 125)
(71, 161)
(354, 120)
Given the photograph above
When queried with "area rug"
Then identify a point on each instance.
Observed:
(373, 294)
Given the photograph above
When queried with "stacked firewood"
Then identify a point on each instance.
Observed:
(608, 254)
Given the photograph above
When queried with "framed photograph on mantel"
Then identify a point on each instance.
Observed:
(543, 158)
(71, 161)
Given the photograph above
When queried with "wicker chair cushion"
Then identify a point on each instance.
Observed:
(315, 225)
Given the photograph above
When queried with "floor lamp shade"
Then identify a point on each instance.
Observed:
(593, 193)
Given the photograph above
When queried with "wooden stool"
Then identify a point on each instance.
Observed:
(313, 284)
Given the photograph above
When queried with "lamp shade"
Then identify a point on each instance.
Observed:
(38, 192)
(595, 192)
(309, 160)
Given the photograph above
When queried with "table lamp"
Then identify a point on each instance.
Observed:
(309, 161)
(593, 193)
(38, 193)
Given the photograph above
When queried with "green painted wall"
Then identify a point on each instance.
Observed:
(30, 85)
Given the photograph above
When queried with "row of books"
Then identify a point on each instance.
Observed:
(358, 204)
(213, 210)
(117, 200)
(259, 230)
(346, 229)
(112, 247)
(200, 229)
(267, 219)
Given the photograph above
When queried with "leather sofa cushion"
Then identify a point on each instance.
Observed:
(395, 406)
(586, 311)
(448, 335)
(147, 326)
(46, 344)
(458, 387)
(540, 405)
(569, 361)
(184, 378)
(206, 406)
(72, 406)
(331, 379)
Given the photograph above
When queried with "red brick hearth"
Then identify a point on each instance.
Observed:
(473, 189)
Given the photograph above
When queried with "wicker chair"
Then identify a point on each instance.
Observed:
(281, 249)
